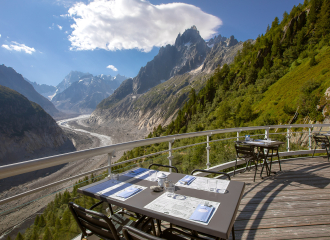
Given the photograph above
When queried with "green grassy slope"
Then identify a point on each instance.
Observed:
(288, 89)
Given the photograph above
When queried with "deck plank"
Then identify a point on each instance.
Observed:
(292, 204)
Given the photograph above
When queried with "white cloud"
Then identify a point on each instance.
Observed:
(59, 27)
(15, 46)
(112, 67)
(0, 35)
(135, 24)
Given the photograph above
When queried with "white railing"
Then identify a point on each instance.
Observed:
(41, 163)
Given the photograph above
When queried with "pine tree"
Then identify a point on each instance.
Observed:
(19, 236)
(35, 235)
(36, 221)
(275, 23)
(315, 7)
(312, 62)
(323, 27)
(47, 235)
(42, 221)
(57, 224)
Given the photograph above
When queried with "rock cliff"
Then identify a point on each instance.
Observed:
(11, 79)
(27, 132)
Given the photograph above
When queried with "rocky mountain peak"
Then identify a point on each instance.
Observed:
(231, 41)
(190, 36)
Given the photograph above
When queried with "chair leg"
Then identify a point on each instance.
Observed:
(233, 233)
(110, 208)
(235, 167)
(314, 151)
(255, 173)
(271, 162)
(262, 169)
(279, 162)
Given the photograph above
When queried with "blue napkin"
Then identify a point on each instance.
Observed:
(187, 179)
(202, 213)
(137, 171)
(128, 192)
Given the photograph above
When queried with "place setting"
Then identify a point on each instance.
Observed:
(181, 206)
(205, 184)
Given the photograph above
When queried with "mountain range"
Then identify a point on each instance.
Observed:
(84, 91)
(154, 96)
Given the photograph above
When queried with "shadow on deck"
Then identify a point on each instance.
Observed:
(292, 204)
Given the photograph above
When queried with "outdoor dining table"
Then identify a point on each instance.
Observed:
(263, 148)
(223, 217)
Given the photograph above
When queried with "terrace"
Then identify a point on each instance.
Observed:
(293, 204)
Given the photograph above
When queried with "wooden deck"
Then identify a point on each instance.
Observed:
(293, 204)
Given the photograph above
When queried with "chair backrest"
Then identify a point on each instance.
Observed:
(96, 222)
(321, 139)
(209, 171)
(160, 165)
(243, 151)
(132, 233)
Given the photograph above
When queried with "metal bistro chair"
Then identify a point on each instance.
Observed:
(132, 233)
(246, 152)
(91, 222)
(321, 141)
(160, 165)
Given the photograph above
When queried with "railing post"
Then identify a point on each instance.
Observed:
(208, 151)
(309, 138)
(266, 133)
(170, 157)
(109, 164)
(237, 136)
(288, 139)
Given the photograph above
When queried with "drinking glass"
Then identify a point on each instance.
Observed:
(170, 191)
(115, 177)
(212, 185)
(153, 176)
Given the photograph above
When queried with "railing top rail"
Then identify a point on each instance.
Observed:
(41, 163)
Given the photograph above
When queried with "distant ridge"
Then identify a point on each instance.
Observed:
(11, 79)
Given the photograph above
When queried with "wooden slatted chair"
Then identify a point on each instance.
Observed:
(91, 222)
(323, 142)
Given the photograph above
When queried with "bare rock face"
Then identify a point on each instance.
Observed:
(84, 95)
(11, 79)
(154, 96)
(223, 51)
(27, 132)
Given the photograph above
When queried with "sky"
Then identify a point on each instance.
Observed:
(46, 39)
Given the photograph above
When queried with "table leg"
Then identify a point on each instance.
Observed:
(158, 227)
(265, 162)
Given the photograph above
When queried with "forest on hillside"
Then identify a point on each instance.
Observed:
(282, 72)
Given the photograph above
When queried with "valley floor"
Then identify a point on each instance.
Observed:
(21, 216)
